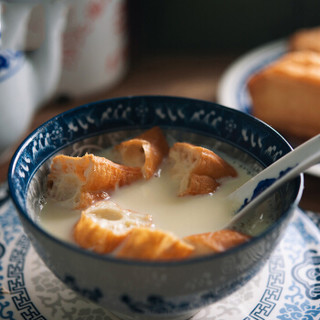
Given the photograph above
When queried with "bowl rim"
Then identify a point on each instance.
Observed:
(123, 261)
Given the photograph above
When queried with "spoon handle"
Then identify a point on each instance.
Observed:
(265, 182)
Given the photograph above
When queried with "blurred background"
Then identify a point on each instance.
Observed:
(219, 26)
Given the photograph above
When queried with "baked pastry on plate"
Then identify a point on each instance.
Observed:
(286, 94)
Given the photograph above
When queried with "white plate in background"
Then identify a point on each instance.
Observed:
(232, 89)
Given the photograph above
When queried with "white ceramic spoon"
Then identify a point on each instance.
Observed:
(251, 193)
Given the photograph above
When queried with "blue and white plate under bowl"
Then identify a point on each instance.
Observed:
(232, 89)
(287, 288)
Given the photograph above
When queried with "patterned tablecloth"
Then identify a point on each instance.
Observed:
(287, 288)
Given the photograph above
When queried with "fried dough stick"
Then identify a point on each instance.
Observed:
(145, 151)
(90, 178)
(198, 169)
(84, 180)
(103, 226)
(215, 242)
(153, 245)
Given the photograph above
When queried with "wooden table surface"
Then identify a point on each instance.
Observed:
(188, 76)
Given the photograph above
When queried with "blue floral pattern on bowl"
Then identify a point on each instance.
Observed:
(99, 123)
(197, 116)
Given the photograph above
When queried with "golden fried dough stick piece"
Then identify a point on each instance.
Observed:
(103, 226)
(198, 168)
(215, 242)
(286, 94)
(145, 151)
(305, 39)
(84, 180)
(153, 245)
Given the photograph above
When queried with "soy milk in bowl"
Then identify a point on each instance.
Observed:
(105, 202)
(158, 196)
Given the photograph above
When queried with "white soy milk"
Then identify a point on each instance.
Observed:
(158, 196)
(181, 215)
(58, 220)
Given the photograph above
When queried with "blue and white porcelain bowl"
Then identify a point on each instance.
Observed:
(138, 289)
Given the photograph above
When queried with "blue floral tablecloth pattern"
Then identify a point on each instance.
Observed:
(287, 288)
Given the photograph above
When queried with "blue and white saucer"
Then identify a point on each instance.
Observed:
(287, 288)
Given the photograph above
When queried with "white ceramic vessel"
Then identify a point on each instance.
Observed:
(94, 47)
(27, 80)
(94, 44)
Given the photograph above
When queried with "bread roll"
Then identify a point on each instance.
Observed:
(305, 39)
(286, 94)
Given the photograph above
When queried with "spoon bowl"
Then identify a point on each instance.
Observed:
(258, 188)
